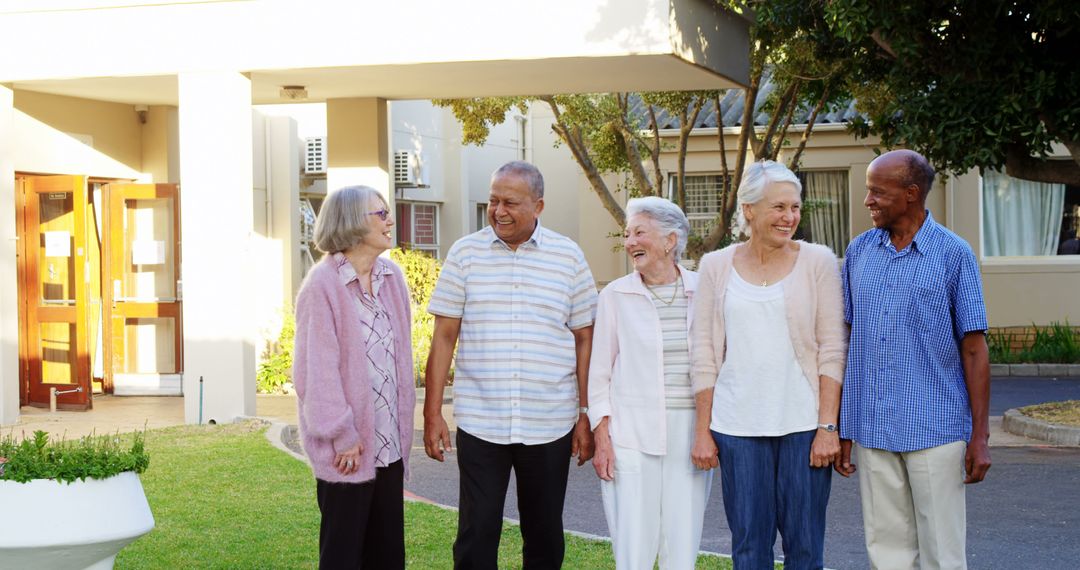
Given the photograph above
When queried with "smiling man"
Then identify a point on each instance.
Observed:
(519, 301)
(917, 386)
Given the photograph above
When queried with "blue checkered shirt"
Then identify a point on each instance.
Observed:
(904, 386)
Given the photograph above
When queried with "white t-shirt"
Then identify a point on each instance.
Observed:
(761, 390)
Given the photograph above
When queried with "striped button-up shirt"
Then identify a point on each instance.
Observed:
(904, 387)
(515, 378)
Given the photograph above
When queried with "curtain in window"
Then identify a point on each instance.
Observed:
(828, 192)
(1020, 217)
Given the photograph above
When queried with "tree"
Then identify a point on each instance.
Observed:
(989, 84)
(620, 132)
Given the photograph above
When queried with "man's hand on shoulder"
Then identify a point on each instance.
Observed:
(581, 445)
(977, 460)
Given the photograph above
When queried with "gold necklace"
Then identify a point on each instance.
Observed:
(678, 281)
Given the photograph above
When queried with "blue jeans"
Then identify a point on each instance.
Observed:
(768, 485)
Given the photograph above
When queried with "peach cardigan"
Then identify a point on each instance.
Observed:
(815, 315)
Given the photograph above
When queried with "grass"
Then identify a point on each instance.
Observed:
(1063, 413)
(223, 497)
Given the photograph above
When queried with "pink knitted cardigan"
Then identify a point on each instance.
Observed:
(330, 371)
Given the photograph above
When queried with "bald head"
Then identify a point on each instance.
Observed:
(908, 168)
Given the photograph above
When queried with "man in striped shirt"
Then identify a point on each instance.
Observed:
(519, 300)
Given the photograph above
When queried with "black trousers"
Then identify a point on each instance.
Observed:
(541, 472)
(363, 524)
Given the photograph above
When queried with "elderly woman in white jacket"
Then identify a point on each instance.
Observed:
(641, 401)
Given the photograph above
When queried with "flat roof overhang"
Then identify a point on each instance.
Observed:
(338, 50)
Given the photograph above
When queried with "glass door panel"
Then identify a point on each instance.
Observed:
(149, 250)
(149, 345)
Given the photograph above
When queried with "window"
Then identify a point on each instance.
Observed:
(825, 203)
(418, 226)
(825, 208)
(702, 200)
(481, 216)
(1025, 218)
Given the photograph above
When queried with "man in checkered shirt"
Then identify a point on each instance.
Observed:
(917, 386)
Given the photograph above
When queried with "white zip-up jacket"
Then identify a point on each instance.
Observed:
(626, 371)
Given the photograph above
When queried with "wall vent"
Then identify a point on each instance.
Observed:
(315, 155)
(407, 169)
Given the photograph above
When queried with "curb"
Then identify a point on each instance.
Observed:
(1017, 423)
(1046, 370)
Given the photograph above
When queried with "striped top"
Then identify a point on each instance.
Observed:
(515, 375)
(677, 392)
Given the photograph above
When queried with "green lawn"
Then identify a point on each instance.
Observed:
(223, 497)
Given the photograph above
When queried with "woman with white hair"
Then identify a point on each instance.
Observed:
(641, 404)
(769, 345)
(353, 371)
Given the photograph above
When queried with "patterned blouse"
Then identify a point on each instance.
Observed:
(380, 357)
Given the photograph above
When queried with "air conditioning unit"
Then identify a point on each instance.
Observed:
(315, 155)
(407, 173)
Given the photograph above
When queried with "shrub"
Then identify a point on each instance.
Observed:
(421, 273)
(1056, 343)
(275, 371)
(91, 457)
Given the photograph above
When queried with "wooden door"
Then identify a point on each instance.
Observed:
(142, 290)
(54, 273)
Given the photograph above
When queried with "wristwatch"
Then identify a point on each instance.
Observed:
(583, 410)
(827, 427)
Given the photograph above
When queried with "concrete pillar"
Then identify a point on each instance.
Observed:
(161, 145)
(9, 280)
(284, 190)
(358, 144)
(216, 219)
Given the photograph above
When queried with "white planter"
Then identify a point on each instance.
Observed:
(81, 525)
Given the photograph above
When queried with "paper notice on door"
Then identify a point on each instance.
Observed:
(58, 244)
(147, 252)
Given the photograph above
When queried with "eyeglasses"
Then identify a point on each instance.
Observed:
(383, 214)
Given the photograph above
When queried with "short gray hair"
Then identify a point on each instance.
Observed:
(343, 219)
(667, 216)
(527, 172)
(757, 177)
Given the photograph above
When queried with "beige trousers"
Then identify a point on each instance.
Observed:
(913, 505)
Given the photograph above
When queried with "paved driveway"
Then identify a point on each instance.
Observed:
(1025, 515)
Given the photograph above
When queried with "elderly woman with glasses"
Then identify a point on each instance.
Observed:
(769, 346)
(353, 370)
(641, 403)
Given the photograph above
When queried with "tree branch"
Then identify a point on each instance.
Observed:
(1019, 164)
(793, 164)
(580, 153)
(654, 149)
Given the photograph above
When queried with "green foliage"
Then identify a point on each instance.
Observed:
(421, 273)
(1057, 343)
(973, 83)
(275, 371)
(91, 457)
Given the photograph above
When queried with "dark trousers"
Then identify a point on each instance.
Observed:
(363, 524)
(768, 485)
(541, 472)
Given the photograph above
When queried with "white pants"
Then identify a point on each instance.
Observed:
(656, 503)
(913, 507)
